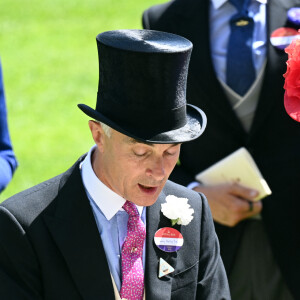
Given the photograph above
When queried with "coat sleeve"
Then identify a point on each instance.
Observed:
(8, 162)
(212, 280)
(19, 269)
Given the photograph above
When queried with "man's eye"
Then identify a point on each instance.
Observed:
(171, 153)
(139, 154)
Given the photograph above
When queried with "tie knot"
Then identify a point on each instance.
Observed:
(131, 209)
(240, 5)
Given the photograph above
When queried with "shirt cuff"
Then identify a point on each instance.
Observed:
(193, 184)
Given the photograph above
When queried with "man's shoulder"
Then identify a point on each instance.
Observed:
(38, 190)
(28, 204)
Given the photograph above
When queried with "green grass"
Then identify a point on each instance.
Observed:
(50, 64)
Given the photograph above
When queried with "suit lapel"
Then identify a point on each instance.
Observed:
(276, 67)
(182, 260)
(157, 288)
(75, 232)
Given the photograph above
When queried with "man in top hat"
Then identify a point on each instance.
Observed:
(103, 229)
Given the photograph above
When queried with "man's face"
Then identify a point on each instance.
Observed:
(134, 170)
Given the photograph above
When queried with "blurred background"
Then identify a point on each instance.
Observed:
(50, 64)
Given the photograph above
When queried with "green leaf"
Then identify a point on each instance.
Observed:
(174, 221)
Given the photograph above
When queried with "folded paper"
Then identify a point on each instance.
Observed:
(238, 167)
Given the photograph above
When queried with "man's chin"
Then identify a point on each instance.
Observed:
(145, 202)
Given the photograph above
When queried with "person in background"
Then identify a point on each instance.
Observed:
(235, 75)
(112, 226)
(8, 161)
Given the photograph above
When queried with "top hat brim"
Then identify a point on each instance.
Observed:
(194, 127)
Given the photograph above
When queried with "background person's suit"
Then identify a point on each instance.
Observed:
(273, 140)
(8, 161)
(50, 247)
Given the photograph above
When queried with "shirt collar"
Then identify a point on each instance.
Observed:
(218, 3)
(107, 200)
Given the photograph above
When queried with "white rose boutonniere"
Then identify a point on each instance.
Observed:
(178, 210)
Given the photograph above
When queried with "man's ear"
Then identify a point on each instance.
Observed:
(98, 134)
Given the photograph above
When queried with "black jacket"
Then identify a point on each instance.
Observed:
(50, 247)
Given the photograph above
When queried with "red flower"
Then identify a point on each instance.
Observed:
(292, 81)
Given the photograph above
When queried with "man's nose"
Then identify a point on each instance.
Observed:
(157, 169)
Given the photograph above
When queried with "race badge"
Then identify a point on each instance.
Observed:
(164, 268)
(293, 17)
(283, 36)
(168, 239)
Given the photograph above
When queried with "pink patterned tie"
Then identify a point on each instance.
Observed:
(132, 255)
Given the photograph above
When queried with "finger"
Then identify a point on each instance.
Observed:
(246, 208)
(237, 210)
(243, 192)
(254, 208)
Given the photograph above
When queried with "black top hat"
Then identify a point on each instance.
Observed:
(142, 86)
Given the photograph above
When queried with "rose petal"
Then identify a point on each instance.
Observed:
(292, 106)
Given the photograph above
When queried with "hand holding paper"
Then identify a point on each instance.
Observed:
(229, 202)
(237, 167)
